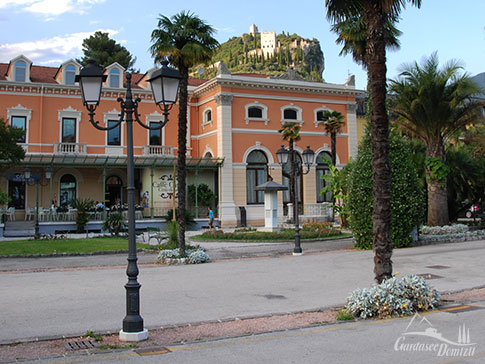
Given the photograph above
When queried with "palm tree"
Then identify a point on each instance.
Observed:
(185, 40)
(333, 121)
(433, 104)
(375, 14)
(290, 132)
(352, 35)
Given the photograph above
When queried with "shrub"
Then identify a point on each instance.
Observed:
(284, 234)
(407, 205)
(205, 196)
(195, 256)
(189, 218)
(393, 297)
(82, 205)
(320, 228)
(199, 256)
(444, 230)
(114, 223)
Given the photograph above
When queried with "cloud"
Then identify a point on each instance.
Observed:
(50, 8)
(50, 50)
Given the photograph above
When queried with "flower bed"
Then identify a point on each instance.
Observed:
(172, 257)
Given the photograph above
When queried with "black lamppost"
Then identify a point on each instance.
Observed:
(36, 179)
(282, 154)
(164, 83)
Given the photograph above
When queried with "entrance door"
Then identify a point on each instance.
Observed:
(114, 187)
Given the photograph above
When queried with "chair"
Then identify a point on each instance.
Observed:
(71, 214)
(43, 214)
(11, 213)
(29, 213)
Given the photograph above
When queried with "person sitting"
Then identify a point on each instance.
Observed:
(99, 206)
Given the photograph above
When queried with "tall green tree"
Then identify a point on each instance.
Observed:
(333, 121)
(290, 132)
(184, 40)
(433, 104)
(10, 152)
(106, 51)
(376, 13)
(352, 33)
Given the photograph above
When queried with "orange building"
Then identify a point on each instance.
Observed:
(233, 123)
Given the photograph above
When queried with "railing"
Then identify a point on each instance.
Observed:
(158, 150)
(70, 148)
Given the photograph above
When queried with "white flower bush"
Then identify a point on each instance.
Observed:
(172, 256)
(393, 297)
(444, 230)
(199, 256)
(453, 233)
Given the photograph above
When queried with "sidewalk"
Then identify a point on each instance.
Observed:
(73, 301)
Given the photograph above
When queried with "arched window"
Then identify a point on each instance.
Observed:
(286, 180)
(208, 116)
(290, 114)
(114, 78)
(70, 74)
(20, 70)
(256, 174)
(322, 169)
(255, 112)
(67, 189)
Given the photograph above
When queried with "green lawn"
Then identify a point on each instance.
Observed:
(31, 247)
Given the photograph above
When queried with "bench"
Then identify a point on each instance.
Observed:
(156, 233)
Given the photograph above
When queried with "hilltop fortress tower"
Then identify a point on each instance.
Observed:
(268, 43)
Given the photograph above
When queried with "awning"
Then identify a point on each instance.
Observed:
(103, 160)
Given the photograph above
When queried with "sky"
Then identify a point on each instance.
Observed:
(50, 32)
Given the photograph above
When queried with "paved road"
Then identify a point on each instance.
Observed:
(216, 250)
(70, 302)
(363, 342)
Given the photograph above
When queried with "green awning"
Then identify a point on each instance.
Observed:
(103, 160)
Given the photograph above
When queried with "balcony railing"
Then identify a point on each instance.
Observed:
(158, 150)
(70, 148)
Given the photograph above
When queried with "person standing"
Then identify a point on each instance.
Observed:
(211, 218)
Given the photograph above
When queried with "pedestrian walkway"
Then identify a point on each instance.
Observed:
(71, 302)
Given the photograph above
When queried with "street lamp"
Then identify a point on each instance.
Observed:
(36, 179)
(283, 154)
(164, 83)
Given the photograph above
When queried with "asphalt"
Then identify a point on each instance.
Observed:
(245, 280)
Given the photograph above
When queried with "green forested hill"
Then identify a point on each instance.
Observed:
(240, 56)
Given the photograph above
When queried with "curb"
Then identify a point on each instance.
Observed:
(60, 255)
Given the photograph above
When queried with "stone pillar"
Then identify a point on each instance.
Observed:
(227, 207)
(352, 129)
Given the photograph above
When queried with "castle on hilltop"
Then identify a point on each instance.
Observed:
(269, 45)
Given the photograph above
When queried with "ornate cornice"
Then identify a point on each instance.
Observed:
(276, 85)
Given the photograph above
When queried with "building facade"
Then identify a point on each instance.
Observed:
(233, 123)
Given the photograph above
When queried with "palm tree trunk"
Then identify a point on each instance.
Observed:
(381, 171)
(437, 190)
(333, 138)
(182, 149)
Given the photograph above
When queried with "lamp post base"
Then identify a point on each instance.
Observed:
(297, 254)
(134, 336)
